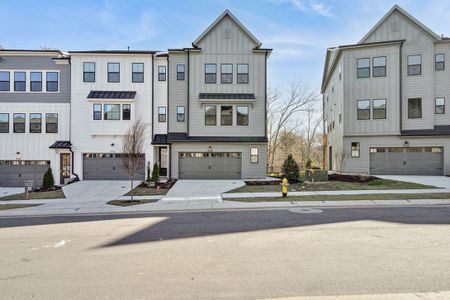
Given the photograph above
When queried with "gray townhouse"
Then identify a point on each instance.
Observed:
(385, 100)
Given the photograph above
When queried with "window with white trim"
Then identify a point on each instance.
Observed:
(254, 155)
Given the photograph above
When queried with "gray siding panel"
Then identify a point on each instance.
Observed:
(177, 92)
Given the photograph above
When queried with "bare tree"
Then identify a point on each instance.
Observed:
(281, 112)
(309, 132)
(341, 159)
(132, 149)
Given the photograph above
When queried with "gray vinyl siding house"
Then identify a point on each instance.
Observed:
(390, 118)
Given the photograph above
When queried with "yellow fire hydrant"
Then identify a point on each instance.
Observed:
(284, 189)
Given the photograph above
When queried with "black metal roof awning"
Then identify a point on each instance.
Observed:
(61, 145)
(226, 96)
(436, 131)
(112, 95)
(160, 139)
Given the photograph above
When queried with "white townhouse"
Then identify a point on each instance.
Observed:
(34, 116)
(385, 100)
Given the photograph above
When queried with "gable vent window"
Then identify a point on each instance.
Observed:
(227, 33)
(439, 62)
(394, 27)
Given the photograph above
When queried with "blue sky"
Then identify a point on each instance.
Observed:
(299, 31)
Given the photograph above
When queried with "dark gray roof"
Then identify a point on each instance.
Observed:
(437, 130)
(111, 95)
(226, 96)
(116, 51)
(61, 145)
(159, 139)
(182, 137)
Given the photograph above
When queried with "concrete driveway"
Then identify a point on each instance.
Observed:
(200, 190)
(6, 191)
(438, 181)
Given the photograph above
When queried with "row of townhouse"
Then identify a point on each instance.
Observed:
(204, 108)
(385, 100)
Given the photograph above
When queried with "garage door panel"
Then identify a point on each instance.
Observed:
(98, 166)
(14, 174)
(198, 165)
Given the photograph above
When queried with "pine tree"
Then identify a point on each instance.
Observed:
(290, 169)
(155, 174)
(48, 181)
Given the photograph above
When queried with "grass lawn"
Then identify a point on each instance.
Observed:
(129, 202)
(36, 195)
(346, 197)
(377, 184)
(12, 206)
(145, 191)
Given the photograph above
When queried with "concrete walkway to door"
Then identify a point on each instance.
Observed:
(185, 191)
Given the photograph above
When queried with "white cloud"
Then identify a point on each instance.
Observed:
(315, 7)
(321, 9)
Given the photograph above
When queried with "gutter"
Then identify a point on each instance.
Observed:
(400, 89)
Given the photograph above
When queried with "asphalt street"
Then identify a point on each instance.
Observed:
(245, 254)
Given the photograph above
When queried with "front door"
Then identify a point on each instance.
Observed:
(163, 161)
(64, 167)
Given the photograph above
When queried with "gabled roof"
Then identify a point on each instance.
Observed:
(408, 16)
(217, 21)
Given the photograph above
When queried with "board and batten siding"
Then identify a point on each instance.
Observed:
(177, 92)
(160, 94)
(442, 83)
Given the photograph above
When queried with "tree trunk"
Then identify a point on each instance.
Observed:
(132, 190)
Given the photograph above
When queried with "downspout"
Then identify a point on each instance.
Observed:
(77, 178)
(153, 93)
(324, 144)
(400, 88)
(187, 93)
(265, 96)
(167, 99)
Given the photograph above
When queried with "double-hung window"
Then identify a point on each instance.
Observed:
(137, 75)
(415, 108)
(379, 66)
(126, 111)
(210, 115)
(414, 65)
(89, 72)
(439, 62)
(36, 81)
(242, 73)
(111, 112)
(226, 115)
(113, 72)
(210, 73)
(162, 73)
(4, 123)
(439, 105)
(379, 108)
(180, 72)
(52, 82)
(363, 68)
(4, 81)
(180, 114)
(242, 115)
(226, 73)
(35, 123)
(363, 109)
(97, 111)
(254, 155)
(355, 149)
(20, 81)
(162, 114)
(51, 123)
(19, 123)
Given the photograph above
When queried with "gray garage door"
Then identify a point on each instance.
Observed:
(108, 166)
(406, 161)
(13, 173)
(205, 165)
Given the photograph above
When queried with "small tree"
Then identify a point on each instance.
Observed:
(155, 175)
(309, 164)
(132, 148)
(290, 169)
(48, 181)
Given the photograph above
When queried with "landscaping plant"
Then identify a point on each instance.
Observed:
(290, 169)
(48, 181)
(155, 175)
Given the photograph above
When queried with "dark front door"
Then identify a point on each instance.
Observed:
(163, 161)
(64, 167)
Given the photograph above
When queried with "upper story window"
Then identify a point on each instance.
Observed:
(439, 62)
(162, 114)
(20, 81)
(180, 72)
(51, 123)
(113, 72)
(89, 72)
(4, 81)
(52, 82)
(242, 115)
(414, 65)
(226, 73)
(363, 67)
(226, 115)
(363, 107)
(4, 123)
(414, 108)
(97, 112)
(379, 108)
(439, 105)
(162, 73)
(242, 73)
(180, 114)
(36, 81)
(210, 115)
(254, 155)
(355, 149)
(210, 73)
(379, 66)
(35, 123)
(111, 112)
(137, 75)
(126, 111)
(19, 123)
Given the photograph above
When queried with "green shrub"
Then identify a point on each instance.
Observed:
(290, 169)
(309, 164)
(48, 181)
(314, 175)
(155, 174)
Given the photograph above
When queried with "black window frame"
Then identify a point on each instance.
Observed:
(15, 130)
(209, 116)
(48, 124)
(35, 127)
(376, 110)
(223, 74)
(162, 116)
(362, 109)
(2, 82)
(24, 81)
(240, 74)
(410, 66)
(97, 115)
(114, 113)
(240, 116)
(181, 74)
(32, 82)
(355, 149)
(436, 106)
(436, 68)
(254, 158)
(380, 67)
(410, 116)
(358, 69)
(207, 74)
(111, 73)
(224, 116)
(2, 123)
(47, 82)
(85, 73)
(181, 115)
(126, 112)
(136, 74)
(162, 76)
